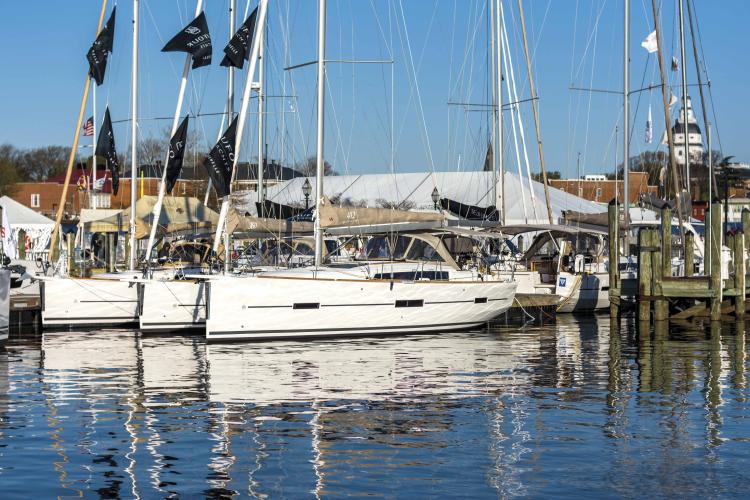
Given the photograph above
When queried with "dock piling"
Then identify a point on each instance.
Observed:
(713, 245)
(645, 245)
(614, 258)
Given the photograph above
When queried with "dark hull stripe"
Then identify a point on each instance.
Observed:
(394, 329)
(107, 301)
(391, 304)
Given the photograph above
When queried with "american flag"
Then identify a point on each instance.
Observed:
(88, 127)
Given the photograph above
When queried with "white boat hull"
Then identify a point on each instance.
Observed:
(273, 307)
(88, 302)
(173, 305)
(585, 292)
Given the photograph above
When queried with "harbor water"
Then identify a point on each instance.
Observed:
(580, 408)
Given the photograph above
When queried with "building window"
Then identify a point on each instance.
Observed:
(580, 191)
(598, 193)
(35, 199)
(104, 200)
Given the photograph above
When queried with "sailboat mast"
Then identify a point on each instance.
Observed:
(261, 84)
(134, 139)
(500, 153)
(175, 124)
(92, 188)
(230, 69)
(684, 98)
(320, 166)
(253, 61)
(626, 123)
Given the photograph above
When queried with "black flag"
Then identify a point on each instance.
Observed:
(100, 49)
(221, 159)
(193, 39)
(238, 48)
(176, 154)
(105, 146)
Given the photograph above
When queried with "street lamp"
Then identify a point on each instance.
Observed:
(435, 197)
(306, 191)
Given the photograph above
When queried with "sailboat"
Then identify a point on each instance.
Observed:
(107, 299)
(318, 301)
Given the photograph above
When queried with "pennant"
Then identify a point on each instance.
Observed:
(105, 147)
(220, 160)
(100, 49)
(664, 138)
(649, 127)
(675, 64)
(193, 39)
(672, 99)
(238, 48)
(176, 155)
(649, 43)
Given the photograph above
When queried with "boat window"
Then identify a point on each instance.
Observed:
(188, 253)
(304, 249)
(380, 247)
(402, 244)
(421, 250)
(332, 247)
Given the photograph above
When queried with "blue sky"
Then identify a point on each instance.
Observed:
(439, 49)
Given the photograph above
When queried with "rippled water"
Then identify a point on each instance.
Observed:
(574, 409)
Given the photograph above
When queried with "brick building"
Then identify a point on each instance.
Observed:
(602, 190)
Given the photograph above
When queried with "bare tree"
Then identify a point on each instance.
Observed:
(309, 166)
(396, 205)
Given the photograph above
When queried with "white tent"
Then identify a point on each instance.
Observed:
(415, 189)
(17, 217)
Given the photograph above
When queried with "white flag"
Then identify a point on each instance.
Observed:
(672, 99)
(649, 43)
(9, 243)
(649, 128)
(99, 184)
(675, 64)
(665, 138)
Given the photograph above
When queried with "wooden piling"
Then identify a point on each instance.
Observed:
(746, 228)
(111, 252)
(689, 253)
(713, 245)
(69, 244)
(21, 244)
(645, 243)
(660, 245)
(739, 275)
(614, 258)
(666, 241)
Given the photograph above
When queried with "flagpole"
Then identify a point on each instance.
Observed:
(92, 199)
(71, 159)
(175, 122)
(241, 120)
(134, 140)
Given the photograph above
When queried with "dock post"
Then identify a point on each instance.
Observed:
(739, 275)
(70, 258)
(689, 253)
(713, 243)
(21, 244)
(614, 258)
(661, 305)
(666, 241)
(645, 242)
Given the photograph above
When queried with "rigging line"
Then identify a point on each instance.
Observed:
(570, 96)
(468, 81)
(715, 124)
(591, 37)
(591, 83)
(416, 87)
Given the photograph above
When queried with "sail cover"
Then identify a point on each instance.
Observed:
(332, 216)
(470, 212)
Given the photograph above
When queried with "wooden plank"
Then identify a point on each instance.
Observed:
(691, 312)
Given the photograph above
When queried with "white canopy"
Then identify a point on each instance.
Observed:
(17, 217)
(414, 191)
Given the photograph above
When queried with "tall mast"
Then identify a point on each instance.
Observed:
(494, 103)
(626, 123)
(53, 242)
(536, 113)
(320, 167)
(175, 124)
(499, 82)
(261, 83)
(92, 188)
(134, 139)
(230, 69)
(241, 119)
(684, 98)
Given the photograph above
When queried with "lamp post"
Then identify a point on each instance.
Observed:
(306, 190)
(435, 197)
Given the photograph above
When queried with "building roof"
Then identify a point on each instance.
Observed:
(22, 216)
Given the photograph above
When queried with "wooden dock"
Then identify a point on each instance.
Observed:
(25, 316)
(660, 296)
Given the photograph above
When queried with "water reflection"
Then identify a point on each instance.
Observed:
(492, 413)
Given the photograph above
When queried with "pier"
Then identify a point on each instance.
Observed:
(658, 295)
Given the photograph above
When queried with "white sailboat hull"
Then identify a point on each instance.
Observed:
(88, 302)
(584, 292)
(173, 305)
(274, 307)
